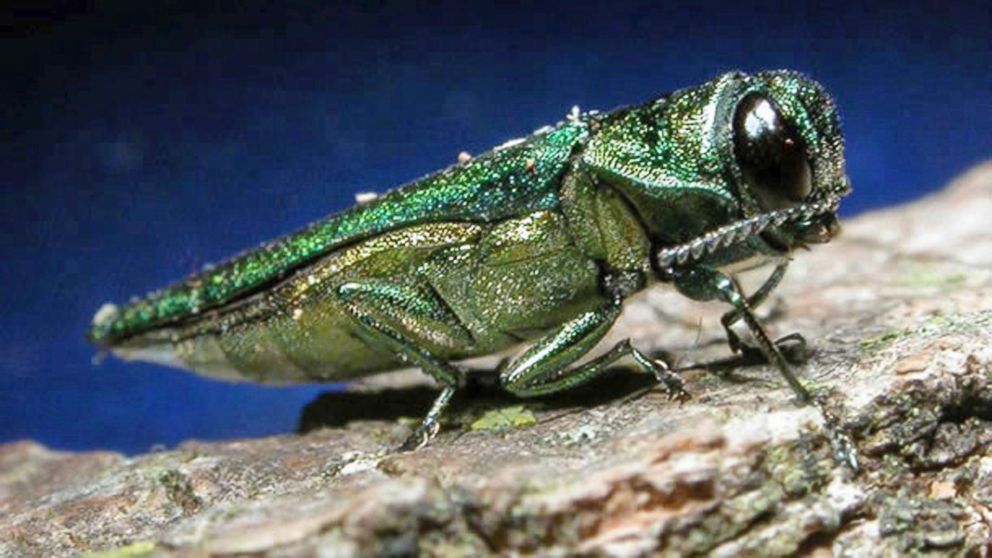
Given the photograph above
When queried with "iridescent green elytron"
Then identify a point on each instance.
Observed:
(538, 241)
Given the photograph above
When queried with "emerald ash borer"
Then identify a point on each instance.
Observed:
(535, 243)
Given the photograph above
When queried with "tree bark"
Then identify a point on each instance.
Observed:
(898, 310)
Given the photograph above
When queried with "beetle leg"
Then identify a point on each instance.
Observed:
(792, 346)
(703, 283)
(401, 319)
(431, 424)
(730, 292)
(543, 368)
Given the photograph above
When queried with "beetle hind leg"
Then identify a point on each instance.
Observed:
(431, 424)
(403, 318)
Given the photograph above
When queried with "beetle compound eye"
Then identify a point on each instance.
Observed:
(770, 153)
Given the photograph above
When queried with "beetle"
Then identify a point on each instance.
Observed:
(539, 241)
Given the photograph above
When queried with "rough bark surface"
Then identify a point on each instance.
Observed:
(898, 310)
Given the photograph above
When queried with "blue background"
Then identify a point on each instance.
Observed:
(138, 146)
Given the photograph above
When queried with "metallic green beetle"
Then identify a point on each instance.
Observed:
(539, 240)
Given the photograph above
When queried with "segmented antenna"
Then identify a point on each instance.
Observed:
(736, 233)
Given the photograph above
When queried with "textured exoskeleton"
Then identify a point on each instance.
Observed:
(538, 241)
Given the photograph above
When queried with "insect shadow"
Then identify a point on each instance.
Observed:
(338, 408)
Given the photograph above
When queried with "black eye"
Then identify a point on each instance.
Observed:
(770, 153)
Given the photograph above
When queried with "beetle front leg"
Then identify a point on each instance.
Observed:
(702, 283)
(543, 368)
(792, 346)
(388, 316)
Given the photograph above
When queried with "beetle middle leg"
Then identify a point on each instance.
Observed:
(543, 368)
(404, 318)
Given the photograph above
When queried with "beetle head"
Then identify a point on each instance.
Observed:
(788, 155)
(741, 158)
